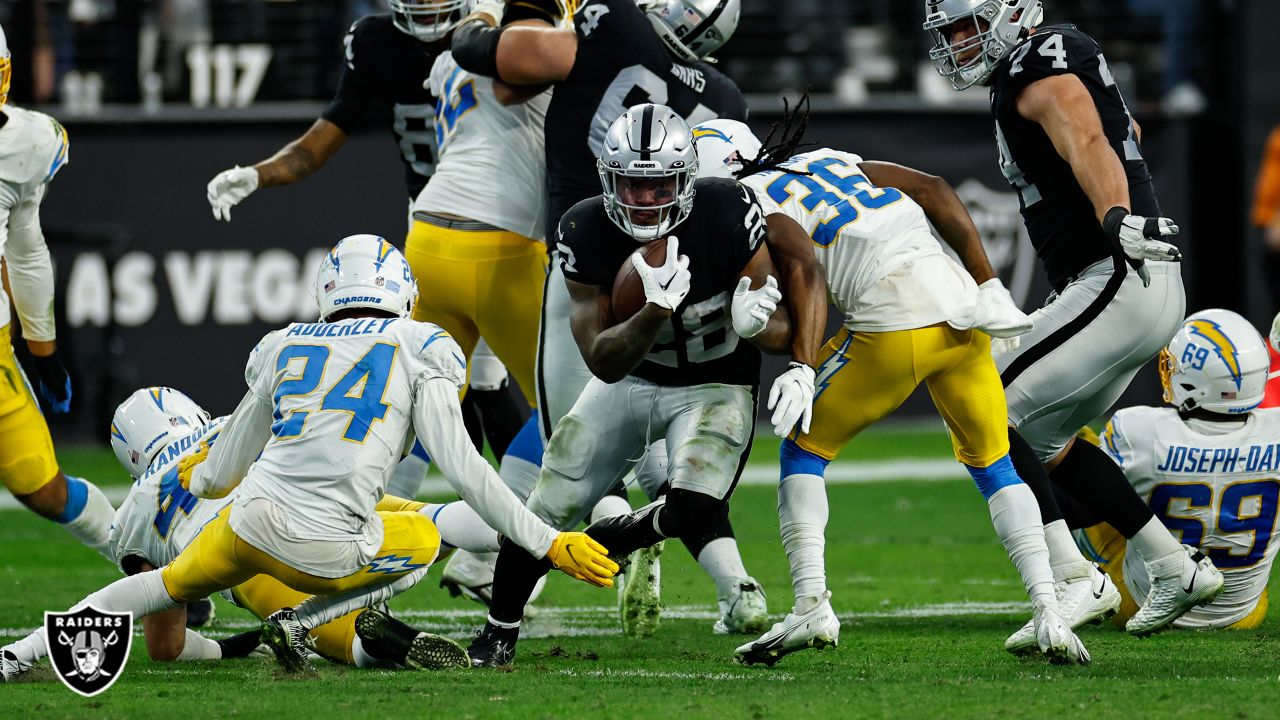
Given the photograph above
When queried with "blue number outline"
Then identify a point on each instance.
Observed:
(375, 372)
(171, 498)
(839, 192)
(1226, 512)
(304, 383)
(451, 108)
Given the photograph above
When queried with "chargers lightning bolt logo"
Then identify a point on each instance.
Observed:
(1222, 345)
(392, 564)
(702, 131)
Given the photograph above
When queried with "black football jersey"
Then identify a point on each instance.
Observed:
(387, 67)
(721, 235)
(620, 63)
(1059, 216)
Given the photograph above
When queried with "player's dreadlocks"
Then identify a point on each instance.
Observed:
(771, 156)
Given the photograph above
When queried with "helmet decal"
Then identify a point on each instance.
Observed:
(1221, 344)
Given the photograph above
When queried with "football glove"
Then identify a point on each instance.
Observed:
(577, 555)
(791, 399)
(1138, 237)
(493, 8)
(665, 286)
(751, 309)
(1000, 346)
(1275, 333)
(997, 314)
(228, 188)
(53, 382)
(187, 465)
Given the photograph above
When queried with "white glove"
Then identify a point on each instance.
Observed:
(1137, 237)
(1275, 333)
(751, 309)
(997, 314)
(791, 399)
(228, 188)
(493, 8)
(664, 286)
(1000, 346)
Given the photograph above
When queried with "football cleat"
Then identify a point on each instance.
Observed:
(1088, 598)
(817, 628)
(640, 595)
(470, 575)
(743, 611)
(286, 636)
(387, 638)
(1179, 582)
(493, 646)
(10, 666)
(200, 613)
(1056, 640)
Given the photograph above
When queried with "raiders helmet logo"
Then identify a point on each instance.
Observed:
(88, 648)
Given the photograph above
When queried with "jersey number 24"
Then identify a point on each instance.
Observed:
(359, 392)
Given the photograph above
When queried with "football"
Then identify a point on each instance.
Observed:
(628, 289)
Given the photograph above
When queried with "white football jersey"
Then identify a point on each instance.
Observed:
(158, 518)
(861, 233)
(33, 147)
(492, 166)
(342, 395)
(1218, 492)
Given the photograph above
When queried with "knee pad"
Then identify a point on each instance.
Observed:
(692, 514)
(571, 447)
(487, 371)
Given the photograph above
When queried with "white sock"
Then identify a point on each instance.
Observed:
(461, 527)
(1064, 555)
(1016, 518)
(518, 474)
(722, 561)
(802, 519)
(499, 623)
(30, 649)
(320, 609)
(199, 647)
(92, 525)
(407, 478)
(609, 506)
(1153, 541)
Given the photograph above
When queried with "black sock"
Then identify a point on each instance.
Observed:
(1032, 472)
(696, 542)
(1095, 481)
(622, 535)
(502, 414)
(1078, 516)
(514, 577)
(472, 421)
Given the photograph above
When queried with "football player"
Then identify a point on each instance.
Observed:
(387, 59)
(33, 148)
(331, 406)
(680, 370)
(1070, 148)
(1206, 464)
(912, 315)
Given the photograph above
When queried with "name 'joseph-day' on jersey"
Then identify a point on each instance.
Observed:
(1060, 218)
(384, 65)
(722, 233)
(620, 62)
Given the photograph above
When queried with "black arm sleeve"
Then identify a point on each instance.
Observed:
(475, 48)
(356, 91)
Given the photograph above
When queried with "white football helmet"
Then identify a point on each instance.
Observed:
(150, 420)
(648, 141)
(692, 29)
(428, 20)
(6, 68)
(365, 271)
(723, 146)
(1217, 361)
(1000, 25)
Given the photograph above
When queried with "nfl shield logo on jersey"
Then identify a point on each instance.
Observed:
(88, 648)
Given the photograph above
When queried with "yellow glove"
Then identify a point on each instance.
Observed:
(187, 465)
(577, 555)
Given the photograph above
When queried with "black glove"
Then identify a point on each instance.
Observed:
(53, 381)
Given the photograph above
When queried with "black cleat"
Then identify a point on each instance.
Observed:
(494, 646)
(285, 635)
(200, 613)
(387, 638)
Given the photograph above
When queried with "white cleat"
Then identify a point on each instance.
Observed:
(640, 593)
(818, 628)
(10, 667)
(1056, 640)
(1179, 582)
(743, 611)
(1088, 598)
(470, 575)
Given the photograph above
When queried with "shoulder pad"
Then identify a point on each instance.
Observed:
(440, 355)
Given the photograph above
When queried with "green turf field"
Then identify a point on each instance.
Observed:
(923, 588)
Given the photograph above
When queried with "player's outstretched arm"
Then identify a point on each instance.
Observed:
(944, 209)
(613, 352)
(516, 55)
(804, 285)
(292, 163)
(239, 443)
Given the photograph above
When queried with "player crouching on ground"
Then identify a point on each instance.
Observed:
(298, 449)
(1207, 466)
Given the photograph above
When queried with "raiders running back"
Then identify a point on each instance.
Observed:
(720, 236)
(621, 62)
(386, 66)
(1059, 216)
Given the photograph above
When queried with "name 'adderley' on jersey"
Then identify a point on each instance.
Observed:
(1219, 487)
(338, 404)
